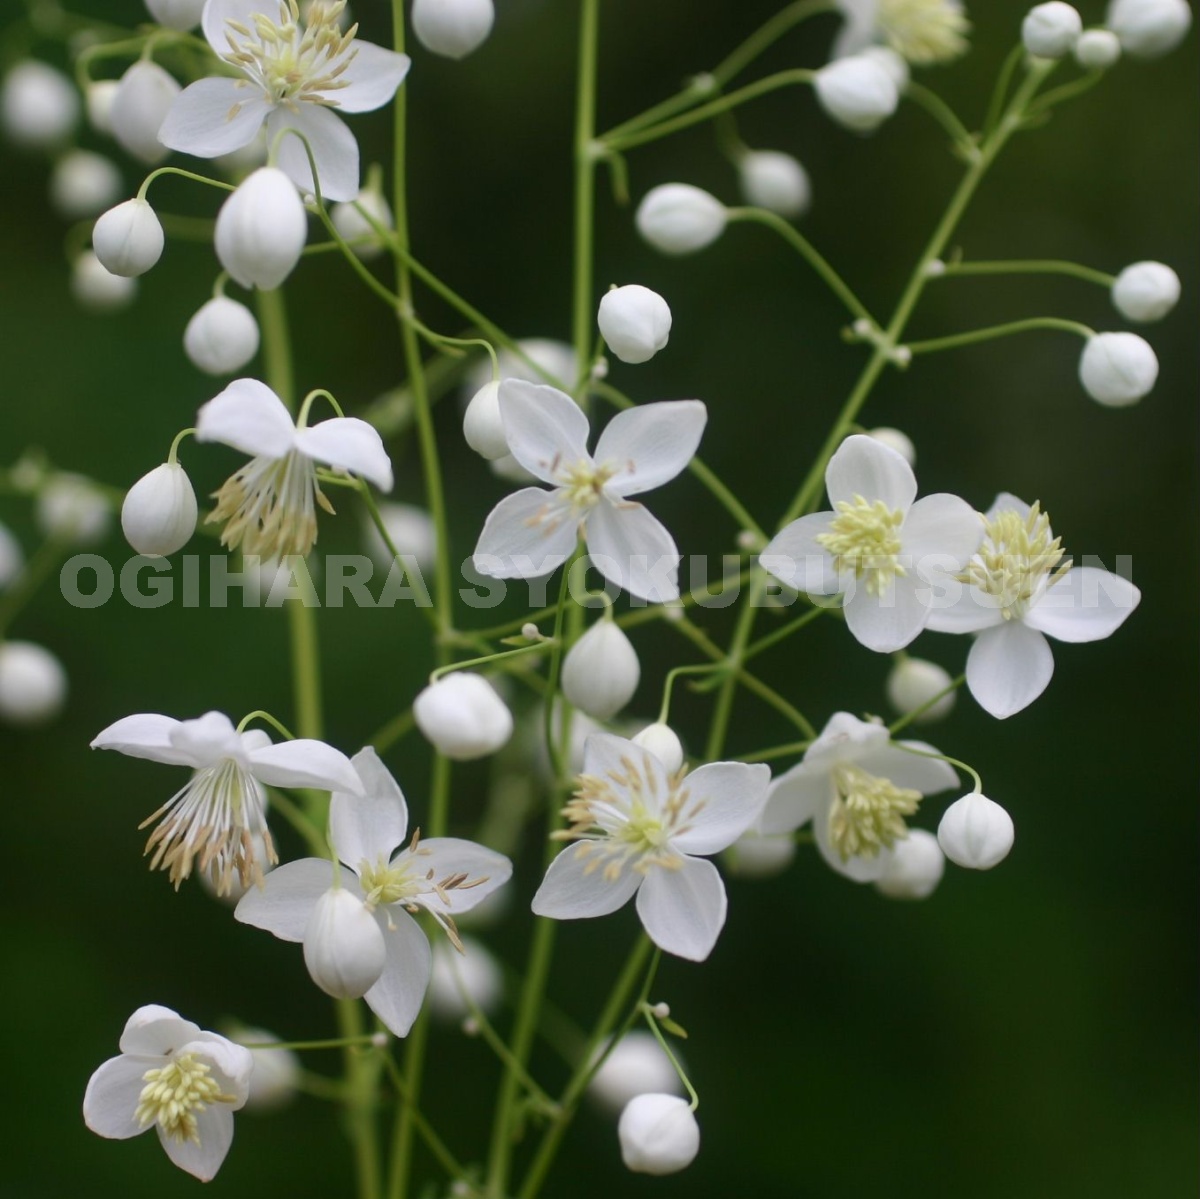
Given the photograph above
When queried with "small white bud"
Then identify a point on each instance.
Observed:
(1149, 28)
(894, 439)
(344, 948)
(158, 516)
(760, 855)
(775, 181)
(678, 218)
(275, 1079)
(97, 288)
(914, 867)
(38, 104)
(452, 28)
(1097, 49)
(463, 716)
(1146, 291)
(660, 1010)
(412, 532)
(99, 101)
(482, 425)
(661, 741)
(144, 96)
(913, 682)
(71, 508)
(658, 1134)
(176, 14)
(128, 239)
(261, 229)
(896, 65)
(530, 631)
(1117, 369)
(83, 184)
(474, 971)
(33, 683)
(12, 560)
(1051, 30)
(635, 322)
(601, 671)
(221, 337)
(975, 832)
(379, 1040)
(636, 1066)
(352, 225)
(858, 92)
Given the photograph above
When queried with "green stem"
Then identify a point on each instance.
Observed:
(360, 1101)
(767, 35)
(276, 345)
(583, 318)
(994, 331)
(37, 570)
(941, 112)
(1025, 267)
(917, 713)
(436, 1145)
(781, 634)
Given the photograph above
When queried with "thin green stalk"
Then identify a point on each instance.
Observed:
(276, 345)
(37, 570)
(585, 188)
(994, 331)
(1031, 266)
(781, 634)
(917, 713)
(435, 1144)
(945, 116)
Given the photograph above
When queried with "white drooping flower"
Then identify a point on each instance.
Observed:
(261, 229)
(922, 31)
(33, 684)
(221, 337)
(350, 220)
(857, 787)
(72, 508)
(1118, 369)
(914, 682)
(663, 742)
(634, 321)
(141, 102)
(601, 670)
(172, 1077)
(859, 92)
(886, 553)
(677, 218)
(344, 948)
(462, 715)
(775, 181)
(636, 828)
(636, 1065)
(452, 28)
(976, 832)
(176, 14)
(269, 507)
(658, 1134)
(412, 532)
(158, 516)
(210, 821)
(38, 104)
(471, 972)
(83, 183)
(1146, 291)
(1018, 590)
(914, 867)
(1097, 49)
(96, 288)
(1051, 30)
(533, 531)
(1149, 28)
(128, 239)
(293, 74)
(391, 875)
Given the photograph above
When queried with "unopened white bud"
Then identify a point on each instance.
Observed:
(1117, 369)
(775, 181)
(858, 92)
(38, 104)
(658, 1134)
(1149, 28)
(71, 508)
(33, 683)
(350, 222)
(1051, 30)
(635, 322)
(221, 337)
(158, 516)
(530, 631)
(660, 739)
(913, 682)
(12, 560)
(275, 1079)
(261, 229)
(474, 971)
(97, 288)
(636, 1066)
(760, 855)
(144, 96)
(83, 184)
(99, 101)
(894, 439)
(463, 716)
(412, 532)
(452, 28)
(915, 866)
(975, 832)
(1146, 291)
(896, 65)
(1097, 49)
(601, 671)
(128, 239)
(344, 948)
(482, 424)
(678, 218)
(176, 14)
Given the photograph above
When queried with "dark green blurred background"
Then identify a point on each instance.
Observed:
(1028, 1032)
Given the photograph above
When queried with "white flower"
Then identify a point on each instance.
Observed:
(678, 218)
(1019, 591)
(344, 948)
(923, 31)
(881, 549)
(662, 741)
(1146, 291)
(172, 1077)
(637, 828)
(83, 184)
(221, 337)
(442, 876)
(97, 288)
(896, 440)
(1149, 28)
(1097, 49)
(350, 220)
(452, 27)
(72, 508)
(471, 971)
(128, 239)
(532, 532)
(211, 819)
(601, 670)
(636, 1065)
(269, 506)
(975, 832)
(634, 321)
(462, 716)
(277, 1072)
(12, 559)
(143, 98)
(914, 868)
(658, 1134)
(158, 516)
(412, 532)
(261, 229)
(1051, 30)
(176, 14)
(857, 787)
(913, 682)
(1117, 369)
(858, 92)
(38, 104)
(775, 181)
(33, 683)
(292, 75)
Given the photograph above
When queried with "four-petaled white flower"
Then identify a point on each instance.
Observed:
(638, 828)
(856, 786)
(269, 506)
(922, 31)
(532, 532)
(293, 74)
(212, 821)
(171, 1076)
(1020, 590)
(885, 552)
(443, 876)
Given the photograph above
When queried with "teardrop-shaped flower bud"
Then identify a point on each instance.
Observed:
(1051, 30)
(38, 104)
(96, 288)
(858, 92)
(760, 855)
(1149, 28)
(343, 945)
(1097, 49)
(83, 184)
(483, 427)
(635, 322)
(635, 1066)
(914, 868)
(896, 440)
(128, 239)
(462, 716)
(261, 229)
(1146, 291)
(913, 682)
(143, 98)
(159, 513)
(176, 14)
(661, 741)
(678, 218)
(975, 832)
(775, 181)
(99, 101)
(658, 1134)
(452, 28)
(1117, 369)
(601, 671)
(350, 222)
(222, 336)
(33, 683)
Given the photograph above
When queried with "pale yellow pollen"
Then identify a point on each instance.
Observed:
(174, 1093)
(864, 538)
(868, 813)
(583, 484)
(1017, 559)
(924, 31)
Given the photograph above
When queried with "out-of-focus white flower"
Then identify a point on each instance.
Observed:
(99, 101)
(896, 440)
(143, 98)
(72, 508)
(176, 14)
(555, 358)
(913, 682)
(859, 92)
(976, 832)
(12, 559)
(128, 239)
(678, 218)
(1097, 49)
(452, 28)
(261, 229)
(158, 516)
(922, 31)
(634, 321)
(352, 224)
(221, 337)
(462, 716)
(344, 948)
(1051, 30)
(601, 670)
(1118, 369)
(275, 1079)
(1146, 291)
(636, 1065)
(473, 971)
(658, 1134)
(412, 532)
(760, 855)
(662, 741)
(1149, 28)
(96, 288)
(33, 684)
(83, 183)
(914, 868)
(775, 181)
(38, 104)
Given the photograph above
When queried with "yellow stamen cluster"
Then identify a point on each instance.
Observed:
(924, 31)
(1015, 559)
(868, 813)
(583, 484)
(865, 538)
(174, 1093)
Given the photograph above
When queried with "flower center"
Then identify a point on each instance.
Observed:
(924, 31)
(868, 813)
(292, 62)
(582, 485)
(1016, 559)
(865, 538)
(174, 1093)
(383, 883)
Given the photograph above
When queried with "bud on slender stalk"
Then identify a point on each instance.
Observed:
(1097, 49)
(635, 322)
(1051, 30)
(97, 288)
(661, 741)
(38, 105)
(975, 832)
(1117, 369)
(913, 682)
(343, 946)
(462, 716)
(775, 181)
(83, 184)
(353, 225)
(483, 426)
(261, 229)
(33, 683)
(128, 239)
(601, 671)
(635, 1066)
(222, 336)
(1149, 28)
(1146, 291)
(677, 218)
(143, 98)
(71, 508)
(658, 1134)
(158, 516)
(858, 92)
(452, 28)
(915, 867)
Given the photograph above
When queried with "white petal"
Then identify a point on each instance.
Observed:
(218, 12)
(546, 430)
(207, 739)
(1086, 604)
(396, 997)
(683, 910)
(214, 1127)
(795, 556)
(605, 753)
(250, 417)
(860, 870)
(631, 548)
(1008, 668)
(887, 622)
(333, 148)
(969, 610)
(373, 75)
(349, 444)
(112, 1097)
(575, 887)
(650, 444)
(146, 735)
(733, 795)
(305, 763)
(927, 775)
(372, 825)
(795, 798)
(155, 1031)
(452, 855)
(844, 738)
(1007, 502)
(214, 117)
(285, 901)
(231, 1064)
(939, 535)
(866, 467)
(525, 537)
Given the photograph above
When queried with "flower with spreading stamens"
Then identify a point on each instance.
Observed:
(638, 828)
(368, 831)
(923, 31)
